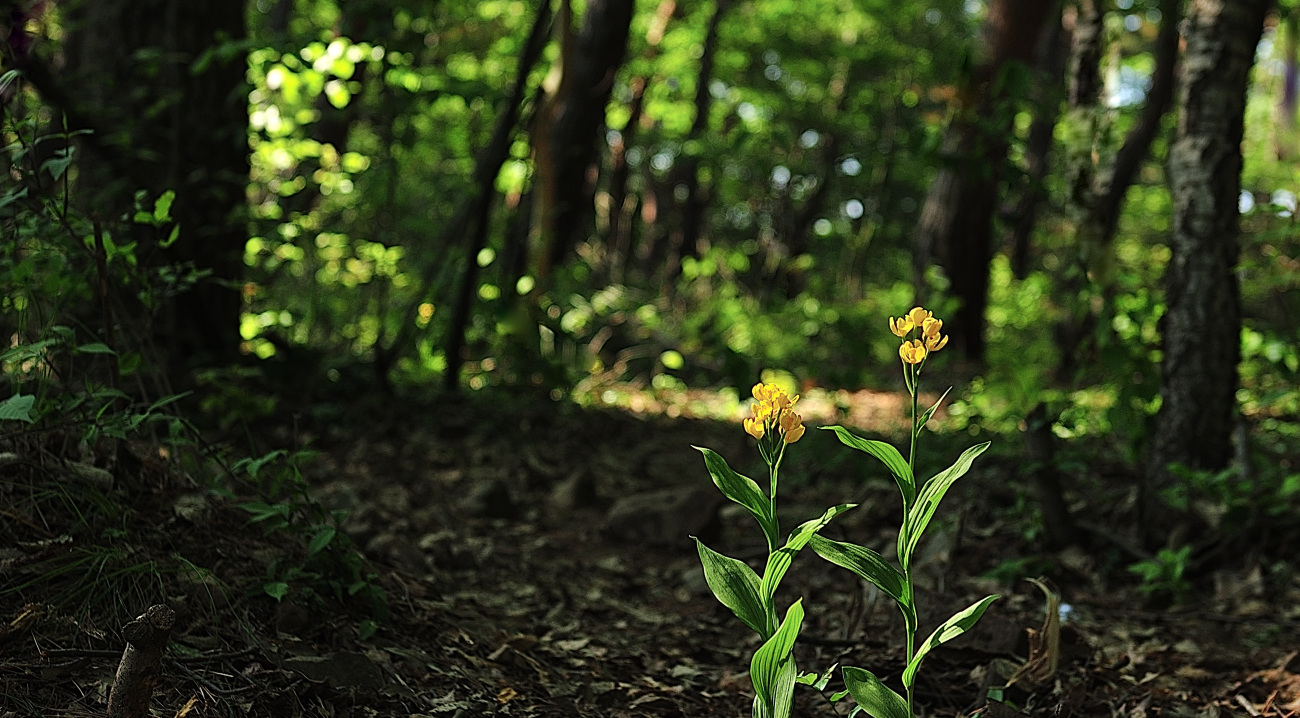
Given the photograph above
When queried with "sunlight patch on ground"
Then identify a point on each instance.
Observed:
(883, 412)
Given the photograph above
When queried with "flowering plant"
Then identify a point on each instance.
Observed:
(775, 425)
(921, 335)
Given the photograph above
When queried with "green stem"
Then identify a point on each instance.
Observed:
(913, 371)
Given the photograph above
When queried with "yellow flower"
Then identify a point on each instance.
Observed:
(919, 315)
(912, 352)
(772, 411)
(934, 341)
(791, 427)
(901, 326)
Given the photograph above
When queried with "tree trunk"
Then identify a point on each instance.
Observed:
(956, 225)
(565, 129)
(187, 131)
(1202, 325)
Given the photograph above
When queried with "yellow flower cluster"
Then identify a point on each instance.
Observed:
(914, 351)
(772, 412)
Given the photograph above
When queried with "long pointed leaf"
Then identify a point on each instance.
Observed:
(744, 491)
(876, 698)
(772, 669)
(783, 698)
(925, 418)
(867, 564)
(888, 455)
(960, 623)
(926, 504)
(736, 586)
(779, 562)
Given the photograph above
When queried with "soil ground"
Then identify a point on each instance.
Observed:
(536, 561)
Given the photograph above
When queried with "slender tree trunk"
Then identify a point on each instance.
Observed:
(956, 225)
(1052, 56)
(685, 240)
(1202, 326)
(566, 128)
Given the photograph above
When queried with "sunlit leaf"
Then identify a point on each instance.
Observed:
(744, 491)
(778, 562)
(876, 698)
(928, 502)
(948, 630)
(888, 455)
(736, 586)
(772, 668)
(866, 563)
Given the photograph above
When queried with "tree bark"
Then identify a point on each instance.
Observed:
(187, 131)
(1202, 325)
(565, 130)
(956, 224)
(141, 664)
(1052, 56)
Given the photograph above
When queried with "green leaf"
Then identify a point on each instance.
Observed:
(737, 587)
(276, 589)
(960, 623)
(772, 669)
(867, 564)
(17, 408)
(779, 562)
(876, 698)
(926, 504)
(925, 418)
(744, 491)
(163, 206)
(366, 629)
(783, 699)
(24, 352)
(58, 164)
(887, 455)
(171, 237)
(817, 682)
(321, 540)
(262, 511)
(95, 348)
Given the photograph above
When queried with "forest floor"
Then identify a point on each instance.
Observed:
(537, 563)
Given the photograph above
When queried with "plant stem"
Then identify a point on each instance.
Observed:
(913, 372)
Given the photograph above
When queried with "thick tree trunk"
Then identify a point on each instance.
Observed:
(956, 225)
(186, 131)
(1202, 325)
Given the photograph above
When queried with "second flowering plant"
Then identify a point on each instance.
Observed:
(921, 335)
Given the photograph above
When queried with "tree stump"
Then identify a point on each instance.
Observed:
(138, 672)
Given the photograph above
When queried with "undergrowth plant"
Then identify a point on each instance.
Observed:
(921, 335)
(775, 425)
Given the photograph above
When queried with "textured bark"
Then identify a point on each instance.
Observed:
(174, 108)
(565, 132)
(1202, 326)
(141, 665)
(1085, 60)
(956, 224)
(1052, 56)
(1104, 189)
